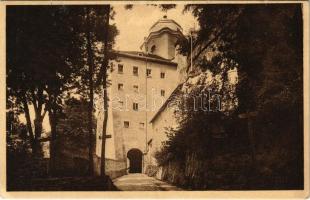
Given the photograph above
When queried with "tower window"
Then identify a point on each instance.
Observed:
(148, 72)
(135, 106)
(153, 48)
(162, 93)
(135, 71)
(141, 125)
(120, 86)
(136, 88)
(126, 124)
(120, 68)
(162, 74)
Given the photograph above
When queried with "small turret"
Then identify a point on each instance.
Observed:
(162, 38)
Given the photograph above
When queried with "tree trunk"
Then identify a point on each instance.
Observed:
(29, 126)
(105, 94)
(37, 134)
(53, 123)
(91, 96)
(37, 100)
(38, 127)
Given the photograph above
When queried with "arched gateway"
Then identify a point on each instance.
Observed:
(135, 160)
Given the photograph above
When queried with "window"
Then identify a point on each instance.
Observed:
(126, 124)
(120, 86)
(162, 74)
(135, 88)
(150, 143)
(135, 106)
(153, 48)
(141, 125)
(162, 93)
(120, 68)
(135, 71)
(148, 72)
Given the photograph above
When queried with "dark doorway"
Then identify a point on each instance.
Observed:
(135, 160)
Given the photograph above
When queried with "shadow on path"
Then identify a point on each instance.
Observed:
(142, 182)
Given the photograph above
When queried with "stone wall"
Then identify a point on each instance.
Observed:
(69, 164)
(114, 168)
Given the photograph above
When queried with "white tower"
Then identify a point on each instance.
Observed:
(162, 38)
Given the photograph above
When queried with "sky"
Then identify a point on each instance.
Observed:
(134, 24)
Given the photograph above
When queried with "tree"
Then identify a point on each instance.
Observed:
(73, 124)
(268, 58)
(63, 44)
(24, 86)
(98, 31)
(48, 60)
(99, 37)
(104, 69)
(42, 63)
(91, 89)
(89, 28)
(38, 49)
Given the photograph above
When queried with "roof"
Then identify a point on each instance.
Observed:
(161, 26)
(169, 99)
(145, 56)
(152, 34)
(165, 20)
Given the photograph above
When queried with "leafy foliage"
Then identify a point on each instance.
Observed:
(48, 59)
(72, 127)
(264, 44)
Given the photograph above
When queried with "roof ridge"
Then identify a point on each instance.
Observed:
(165, 19)
(146, 54)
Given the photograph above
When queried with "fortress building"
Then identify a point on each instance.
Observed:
(140, 82)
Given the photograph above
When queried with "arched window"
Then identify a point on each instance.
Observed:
(153, 48)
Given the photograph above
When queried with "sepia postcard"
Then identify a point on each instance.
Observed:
(154, 99)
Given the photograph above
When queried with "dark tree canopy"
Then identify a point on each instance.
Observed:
(264, 44)
(49, 50)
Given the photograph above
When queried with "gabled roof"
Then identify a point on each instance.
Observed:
(145, 56)
(169, 99)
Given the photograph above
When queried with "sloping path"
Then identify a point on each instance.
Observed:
(142, 182)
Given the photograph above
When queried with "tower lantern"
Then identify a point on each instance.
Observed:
(162, 38)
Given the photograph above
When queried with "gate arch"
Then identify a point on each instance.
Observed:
(135, 160)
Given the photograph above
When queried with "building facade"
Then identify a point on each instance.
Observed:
(140, 82)
(167, 116)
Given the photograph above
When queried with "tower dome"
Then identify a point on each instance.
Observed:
(165, 23)
(162, 38)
